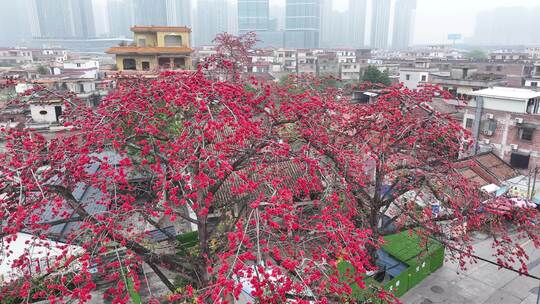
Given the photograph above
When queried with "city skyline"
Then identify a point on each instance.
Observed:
(433, 20)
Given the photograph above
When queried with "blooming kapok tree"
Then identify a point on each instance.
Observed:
(181, 148)
(280, 183)
(397, 159)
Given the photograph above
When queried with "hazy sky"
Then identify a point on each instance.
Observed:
(435, 19)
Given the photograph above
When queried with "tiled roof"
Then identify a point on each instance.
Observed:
(485, 168)
(139, 29)
(148, 50)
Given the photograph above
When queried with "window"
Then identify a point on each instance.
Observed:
(43, 112)
(469, 123)
(173, 40)
(499, 68)
(141, 42)
(424, 77)
(526, 133)
(534, 84)
(78, 65)
(407, 77)
(129, 64)
(145, 65)
(519, 160)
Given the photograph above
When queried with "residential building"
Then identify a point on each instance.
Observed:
(121, 16)
(15, 56)
(327, 65)
(50, 55)
(416, 75)
(211, 19)
(357, 22)
(404, 14)
(302, 23)
(533, 51)
(507, 56)
(150, 12)
(288, 59)
(380, 23)
(506, 120)
(156, 47)
(464, 79)
(533, 81)
(82, 68)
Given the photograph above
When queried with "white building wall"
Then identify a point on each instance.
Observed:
(499, 104)
(411, 79)
(44, 113)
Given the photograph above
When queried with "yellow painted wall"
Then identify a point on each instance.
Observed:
(161, 38)
(151, 39)
(138, 59)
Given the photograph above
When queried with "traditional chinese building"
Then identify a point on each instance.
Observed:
(155, 48)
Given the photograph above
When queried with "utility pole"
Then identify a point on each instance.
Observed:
(477, 123)
(531, 188)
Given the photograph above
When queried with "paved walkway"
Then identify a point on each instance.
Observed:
(481, 283)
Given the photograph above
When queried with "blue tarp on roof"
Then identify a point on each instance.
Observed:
(392, 266)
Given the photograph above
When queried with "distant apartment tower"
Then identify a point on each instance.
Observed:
(334, 26)
(357, 22)
(15, 27)
(178, 12)
(121, 17)
(404, 14)
(211, 19)
(504, 26)
(380, 23)
(254, 16)
(302, 23)
(70, 19)
(150, 12)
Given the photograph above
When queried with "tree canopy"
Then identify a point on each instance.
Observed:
(477, 55)
(375, 76)
(280, 183)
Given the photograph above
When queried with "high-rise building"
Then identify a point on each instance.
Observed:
(121, 17)
(82, 14)
(179, 12)
(404, 13)
(150, 12)
(253, 15)
(72, 19)
(334, 26)
(211, 19)
(357, 22)
(302, 23)
(504, 26)
(380, 23)
(14, 22)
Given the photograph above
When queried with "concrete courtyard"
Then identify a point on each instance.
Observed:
(482, 282)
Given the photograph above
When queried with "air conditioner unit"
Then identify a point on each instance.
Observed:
(489, 116)
(514, 147)
(486, 141)
(519, 120)
(488, 132)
